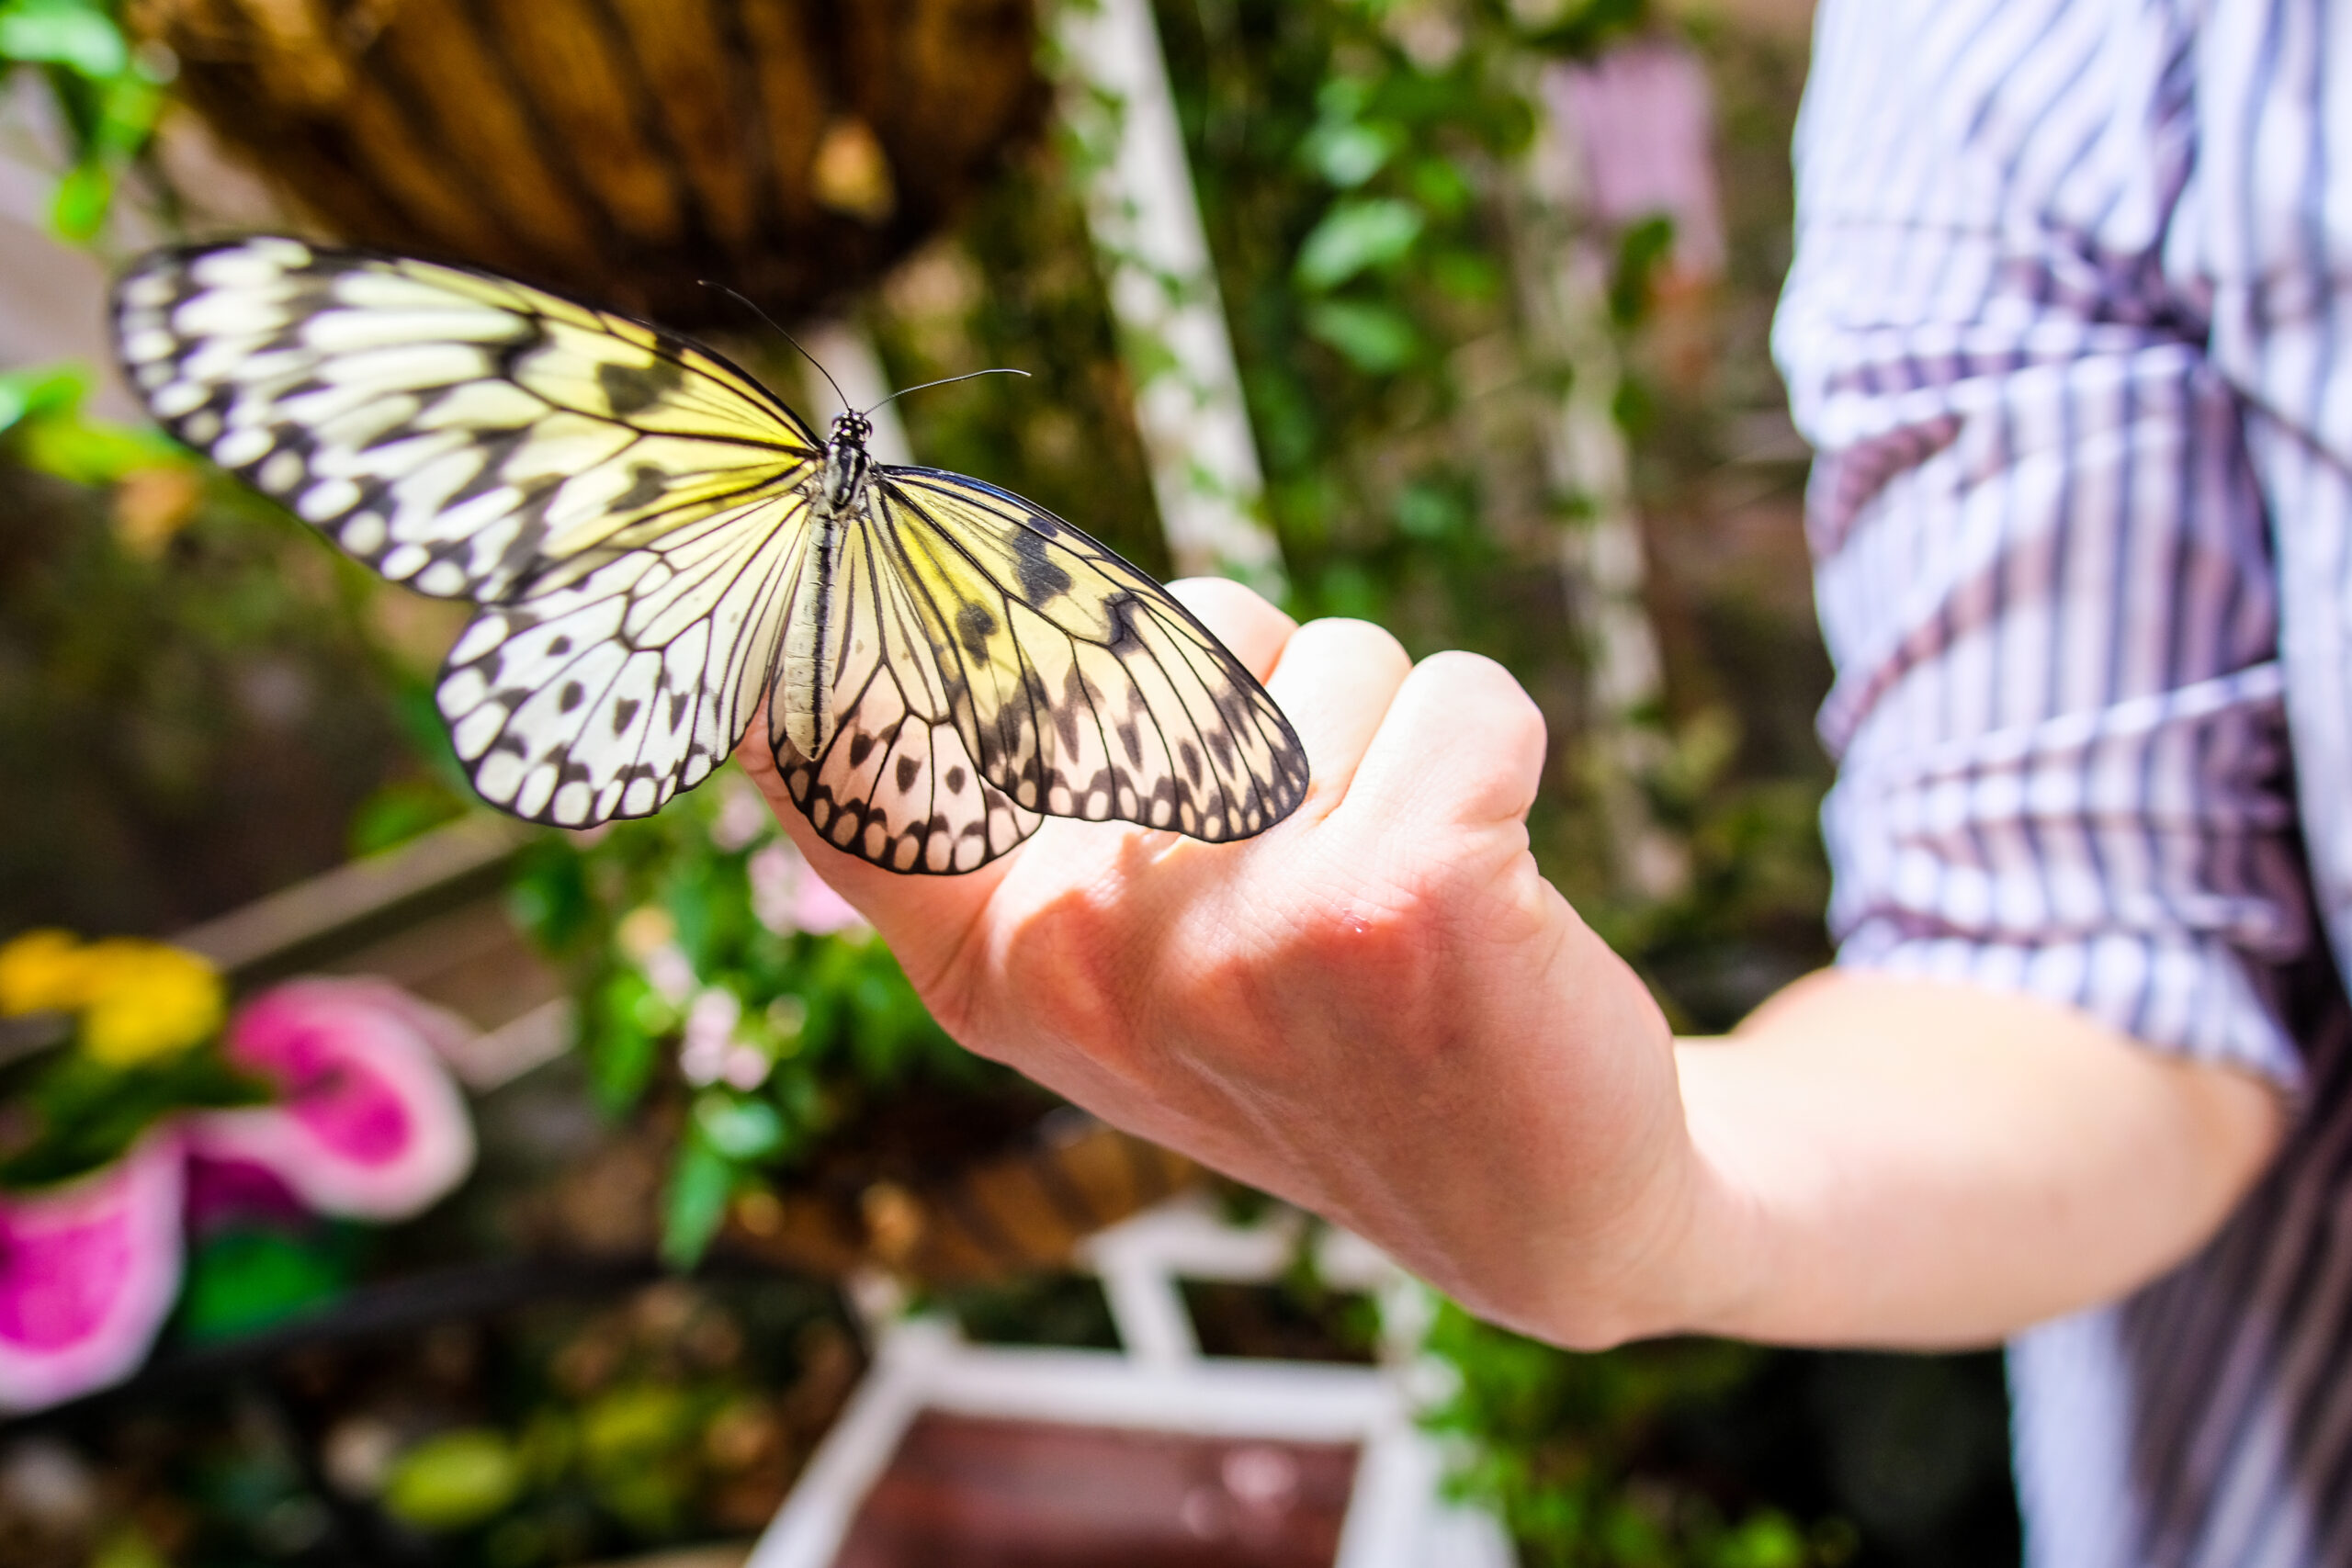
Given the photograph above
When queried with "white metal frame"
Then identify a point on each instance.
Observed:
(1161, 1382)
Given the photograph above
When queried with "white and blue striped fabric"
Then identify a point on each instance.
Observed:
(2070, 324)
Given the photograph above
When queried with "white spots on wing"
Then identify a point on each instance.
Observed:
(364, 535)
(418, 496)
(327, 501)
(371, 415)
(354, 331)
(179, 397)
(571, 803)
(566, 444)
(149, 291)
(485, 632)
(403, 561)
(501, 774)
(480, 405)
(241, 446)
(231, 314)
(444, 579)
(151, 343)
(537, 785)
(201, 428)
(408, 366)
(462, 690)
(151, 376)
(239, 269)
(380, 288)
(281, 472)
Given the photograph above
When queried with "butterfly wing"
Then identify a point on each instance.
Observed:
(863, 727)
(627, 507)
(462, 434)
(1071, 683)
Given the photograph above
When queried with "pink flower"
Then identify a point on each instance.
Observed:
(89, 1270)
(787, 897)
(366, 1121)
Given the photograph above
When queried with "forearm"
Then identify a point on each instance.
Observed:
(1893, 1161)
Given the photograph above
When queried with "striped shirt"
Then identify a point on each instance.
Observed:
(2070, 324)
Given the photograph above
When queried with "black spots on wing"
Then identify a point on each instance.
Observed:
(1125, 611)
(955, 780)
(909, 772)
(1190, 755)
(860, 745)
(570, 697)
(648, 484)
(974, 626)
(632, 389)
(1132, 742)
(1041, 578)
(560, 647)
(624, 711)
(510, 743)
(678, 701)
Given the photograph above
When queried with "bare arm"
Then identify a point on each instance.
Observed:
(1381, 1011)
(1905, 1162)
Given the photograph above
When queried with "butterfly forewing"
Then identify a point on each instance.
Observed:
(456, 431)
(649, 537)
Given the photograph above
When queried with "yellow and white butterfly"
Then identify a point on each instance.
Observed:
(656, 541)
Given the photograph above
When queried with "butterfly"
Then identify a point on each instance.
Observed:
(655, 542)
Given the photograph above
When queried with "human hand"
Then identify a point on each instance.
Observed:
(1378, 1008)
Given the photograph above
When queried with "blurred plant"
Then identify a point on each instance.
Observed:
(108, 96)
(723, 975)
(319, 1095)
(166, 642)
(1564, 1451)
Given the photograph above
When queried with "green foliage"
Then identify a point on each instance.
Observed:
(108, 98)
(704, 986)
(191, 683)
(1564, 1451)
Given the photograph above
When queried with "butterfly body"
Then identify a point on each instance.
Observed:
(656, 544)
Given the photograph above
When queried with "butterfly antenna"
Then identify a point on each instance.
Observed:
(949, 381)
(839, 396)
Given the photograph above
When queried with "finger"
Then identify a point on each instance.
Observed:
(1334, 682)
(1463, 741)
(1254, 629)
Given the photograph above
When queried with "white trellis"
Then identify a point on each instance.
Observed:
(1147, 227)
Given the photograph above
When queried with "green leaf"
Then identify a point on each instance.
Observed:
(742, 1130)
(61, 32)
(454, 1479)
(1377, 339)
(1349, 154)
(1356, 237)
(700, 1184)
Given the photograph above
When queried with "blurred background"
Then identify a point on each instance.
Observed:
(1447, 313)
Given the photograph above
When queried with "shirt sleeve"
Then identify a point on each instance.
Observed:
(2042, 565)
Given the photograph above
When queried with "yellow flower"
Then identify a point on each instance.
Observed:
(144, 1000)
(43, 971)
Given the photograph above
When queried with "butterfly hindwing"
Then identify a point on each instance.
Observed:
(888, 775)
(604, 696)
(1078, 686)
(456, 431)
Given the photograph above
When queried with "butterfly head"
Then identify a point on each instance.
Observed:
(851, 429)
(847, 461)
